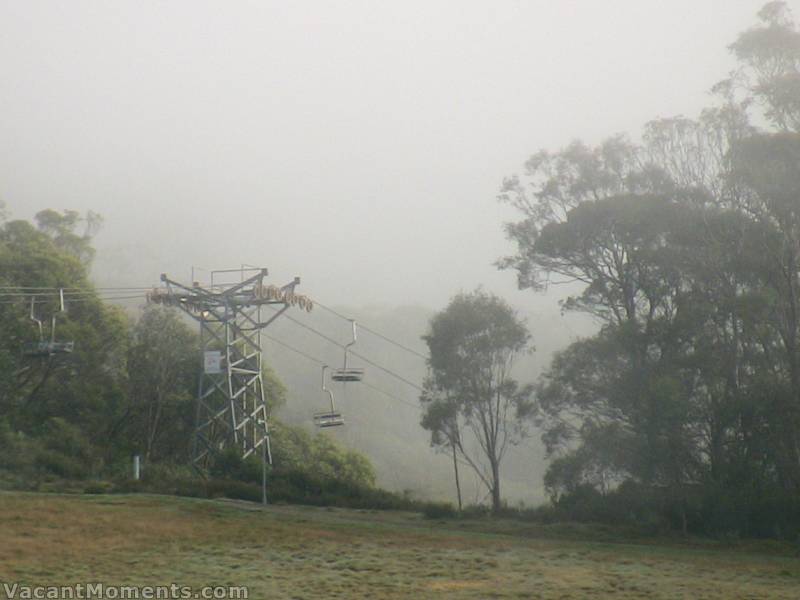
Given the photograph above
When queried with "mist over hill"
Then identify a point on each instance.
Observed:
(382, 415)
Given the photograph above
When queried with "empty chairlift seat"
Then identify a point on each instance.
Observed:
(348, 374)
(45, 348)
(328, 418)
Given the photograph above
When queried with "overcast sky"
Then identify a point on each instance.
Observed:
(359, 145)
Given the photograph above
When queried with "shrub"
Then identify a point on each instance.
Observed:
(476, 511)
(439, 510)
(191, 488)
(58, 464)
(98, 487)
(166, 472)
(235, 490)
(129, 486)
(230, 465)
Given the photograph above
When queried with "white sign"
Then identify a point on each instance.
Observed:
(212, 362)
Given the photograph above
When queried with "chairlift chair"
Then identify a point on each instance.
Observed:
(328, 418)
(48, 348)
(348, 374)
(45, 348)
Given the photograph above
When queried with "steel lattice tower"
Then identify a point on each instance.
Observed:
(231, 403)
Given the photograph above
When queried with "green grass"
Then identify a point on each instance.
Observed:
(304, 552)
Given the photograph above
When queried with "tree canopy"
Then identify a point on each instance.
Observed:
(685, 247)
(469, 395)
(128, 386)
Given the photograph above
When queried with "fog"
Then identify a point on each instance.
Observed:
(358, 145)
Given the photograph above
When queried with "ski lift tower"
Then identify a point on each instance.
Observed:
(231, 404)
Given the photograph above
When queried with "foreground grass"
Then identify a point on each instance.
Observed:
(302, 552)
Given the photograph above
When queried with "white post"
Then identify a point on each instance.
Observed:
(263, 423)
(136, 467)
(264, 472)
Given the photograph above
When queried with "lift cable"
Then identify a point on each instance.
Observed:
(299, 323)
(90, 294)
(293, 349)
(40, 291)
(127, 293)
(318, 361)
(372, 331)
(21, 289)
(361, 356)
(372, 387)
(388, 395)
(111, 293)
(73, 300)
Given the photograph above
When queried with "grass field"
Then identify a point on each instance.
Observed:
(303, 552)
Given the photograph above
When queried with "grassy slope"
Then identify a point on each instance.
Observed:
(301, 552)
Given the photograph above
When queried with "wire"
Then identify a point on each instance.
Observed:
(87, 295)
(34, 291)
(75, 295)
(380, 391)
(372, 331)
(322, 363)
(295, 350)
(366, 384)
(73, 300)
(356, 354)
(287, 346)
(56, 288)
(309, 328)
(370, 386)
(110, 298)
(27, 290)
(68, 299)
(388, 371)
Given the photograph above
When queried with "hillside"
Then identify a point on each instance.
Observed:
(382, 416)
(301, 552)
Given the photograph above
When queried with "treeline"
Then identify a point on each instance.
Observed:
(685, 247)
(74, 420)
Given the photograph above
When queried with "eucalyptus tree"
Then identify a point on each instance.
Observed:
(768, 165)
(441, 418)
(769, 65)
(163, 359)
(685, 248)
(473, 344)
(80, 392)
